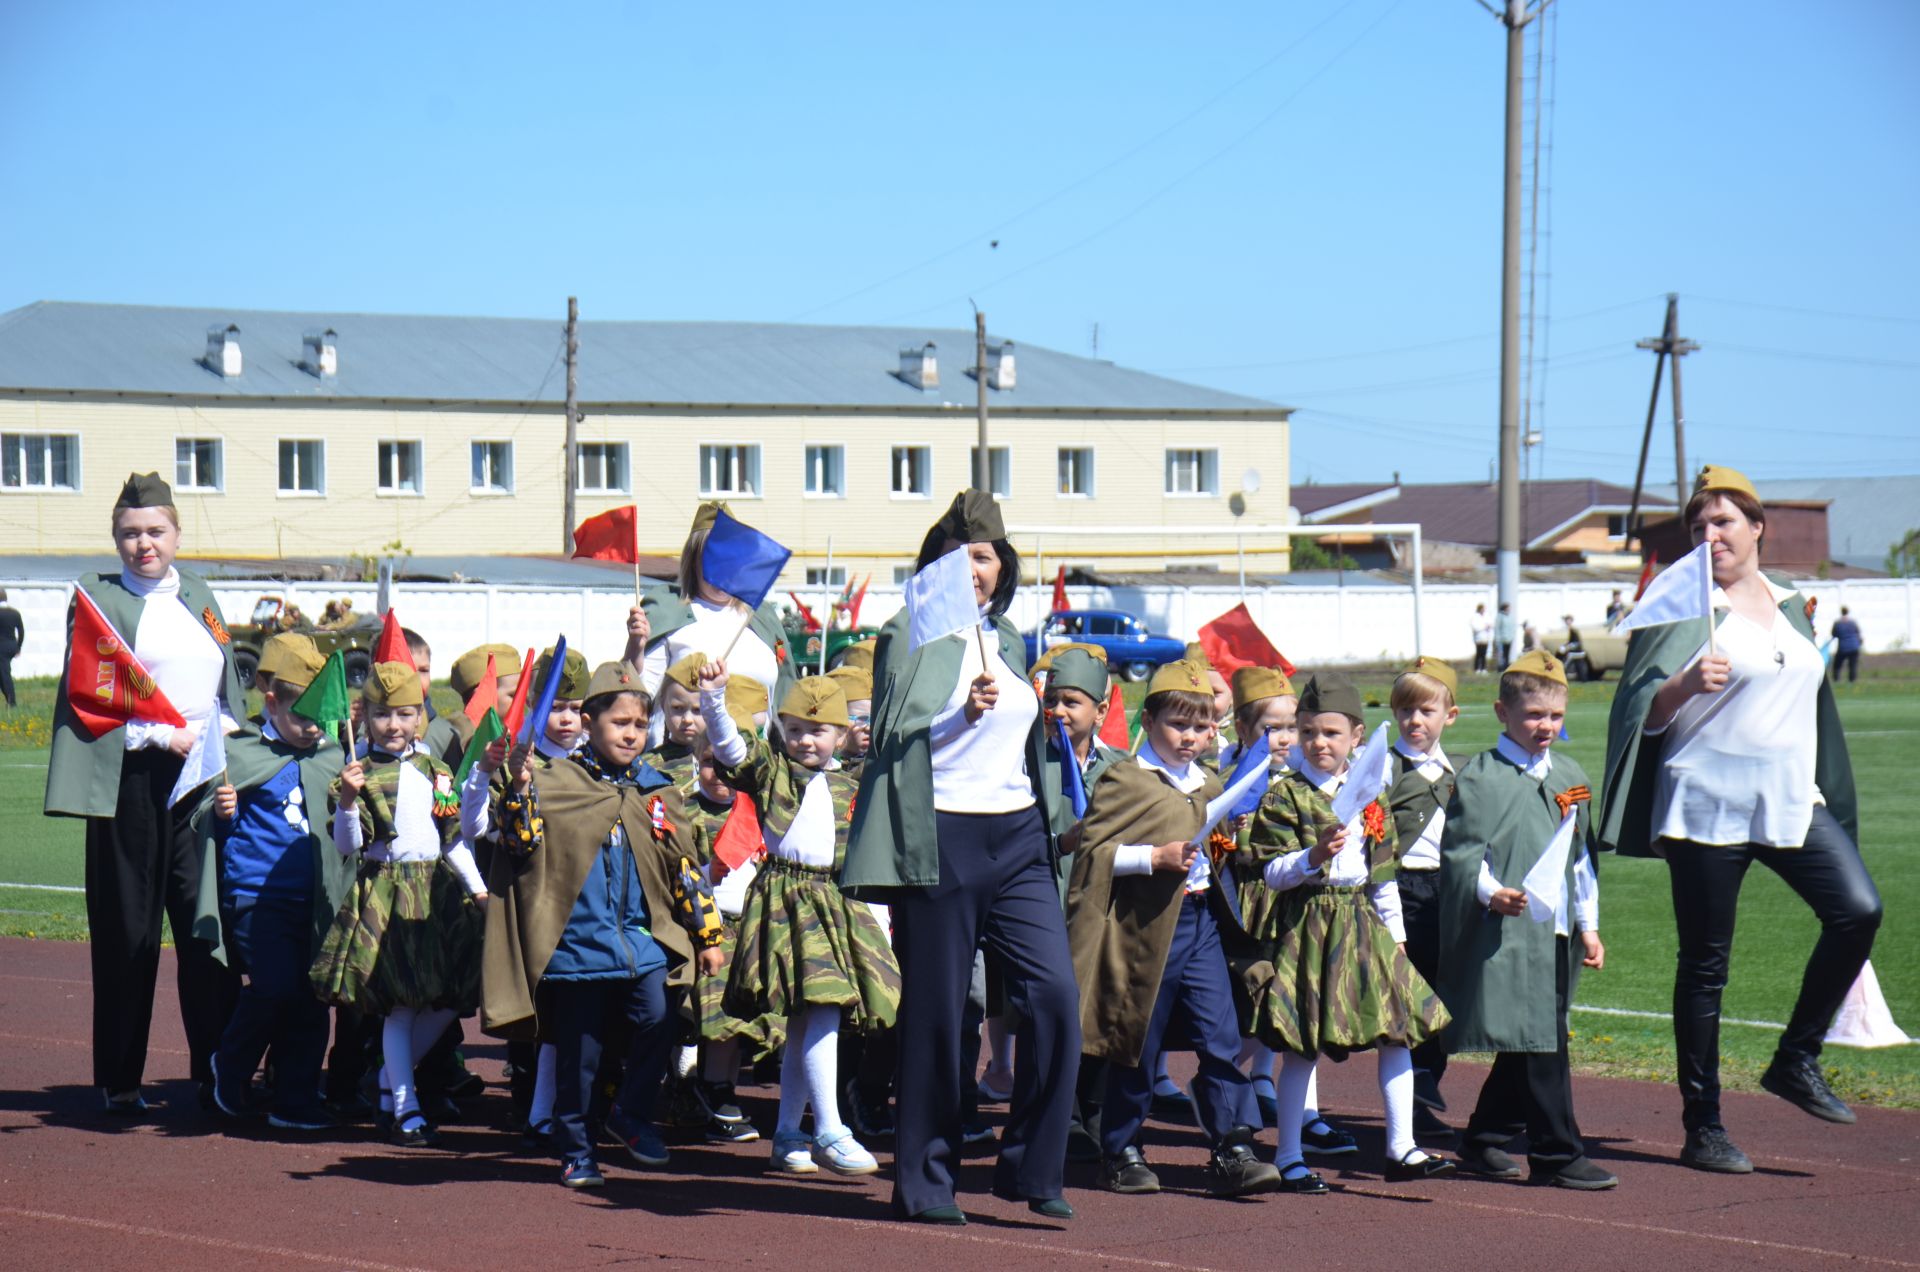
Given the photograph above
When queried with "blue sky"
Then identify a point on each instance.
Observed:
(1295, 200)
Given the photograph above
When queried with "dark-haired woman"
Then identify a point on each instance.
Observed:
(950, 829)
(143, 859)
(1724, 749)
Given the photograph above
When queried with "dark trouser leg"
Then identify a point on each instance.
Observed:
(524, 1055)
(256, 1013)
(1479, 657)
(1129, 1095)
(1501, 1112)
(1829, 876)
(1420, 911)
(1089, 1095)
(574, 1012)
(6, 681)
(271, 940)
(650, 1030)
(879, 1057)
(353, 1035)
(1553, 1137)
(125, 898)
(1705, 881)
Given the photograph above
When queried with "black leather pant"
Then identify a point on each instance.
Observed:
(1827, 873)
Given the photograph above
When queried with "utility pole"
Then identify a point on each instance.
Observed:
(983, 461)
(573, 420)
(1668, 344)
(1507, 554)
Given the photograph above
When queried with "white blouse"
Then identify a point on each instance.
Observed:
(982, 767)
(1137, 859)
(1738, 764)
(415, 836)
(176, 649)
(713, 629)
(810, 837)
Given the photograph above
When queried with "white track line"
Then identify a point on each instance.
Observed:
(211, 1243)
(1667, 1015)
(39, 887)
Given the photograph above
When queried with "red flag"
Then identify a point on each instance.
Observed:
(392, 645)
(853, 608)
(1234, 640)
(614, 535)
(1113, 730)
(806, 613)
(739, 840)
(106, 685)
(487, 697)
(1646, 576)
(517, 712)
(1060, 590)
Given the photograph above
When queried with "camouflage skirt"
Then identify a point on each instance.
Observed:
(803, 943)
(760, 1034)
(406, 936)
(1340, 983)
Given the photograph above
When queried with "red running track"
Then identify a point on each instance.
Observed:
(183, 1190)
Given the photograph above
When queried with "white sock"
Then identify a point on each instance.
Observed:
(684, 1059)
(1296, 1075)
(822, 1067)
(1310, 1104)
(1396, 1093)
(396, 1047)
(544, 1085)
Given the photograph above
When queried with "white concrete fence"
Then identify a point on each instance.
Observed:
(1311, 625)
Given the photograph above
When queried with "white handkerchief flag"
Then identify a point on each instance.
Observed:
(206, 759)
(1367, 776)
(1682, 591)
(1546, 883)
(1864, 1019)
(1220, 805)
(940, 600)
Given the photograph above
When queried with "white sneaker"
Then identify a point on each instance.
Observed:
(793, 1154)
(843, 1155)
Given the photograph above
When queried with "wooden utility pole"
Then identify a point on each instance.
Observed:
(983, 461)
(573, 421)
(1668, 344)
(1507, 553)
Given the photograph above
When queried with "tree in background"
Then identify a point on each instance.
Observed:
(1903, 558)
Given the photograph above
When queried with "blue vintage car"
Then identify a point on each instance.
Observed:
(1132, 650)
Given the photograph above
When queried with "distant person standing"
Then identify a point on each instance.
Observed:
(1846, 647)
(1482, 637)
(1616, 608)
(13, 638)
(1503, 637)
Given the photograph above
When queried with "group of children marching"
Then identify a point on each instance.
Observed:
(642, 900)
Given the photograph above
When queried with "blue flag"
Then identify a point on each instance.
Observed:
(1072, 780)
(1258, 755)
(741, 561)
(536, 722)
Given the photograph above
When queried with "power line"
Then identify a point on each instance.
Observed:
(1804, 356)
(1801, 309)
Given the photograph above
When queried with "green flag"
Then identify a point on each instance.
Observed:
(490, 728)
(326, 701)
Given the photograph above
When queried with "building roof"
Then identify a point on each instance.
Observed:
(91, 348)
(1468, 512)
(1866, 516)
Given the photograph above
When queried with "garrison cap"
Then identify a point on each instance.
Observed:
(1436, 669)
(1181, 676)
(861, 654)
(1045, 661)
(144, 490)
(285, 649)
(1197, 653)
(855, 682)
(1538, 662)
(611, 678)
(1072, 667)
(296, 662)
(972, 517)
(686, 672)
(705, 515)
(746, 698)
(392, 684)
(817, 699)
(470, 666)
(1257, 684)
(1329, 691)
(573, 674)
(1714, 477)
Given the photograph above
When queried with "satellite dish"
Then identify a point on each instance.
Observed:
(1250, 481)
(1237, 504)
(1293, 516)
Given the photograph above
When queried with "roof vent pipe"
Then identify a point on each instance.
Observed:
(920, 366)
(223, 350)
(322, 354)
(1000, 365)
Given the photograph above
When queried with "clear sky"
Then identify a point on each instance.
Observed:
(1299, 201)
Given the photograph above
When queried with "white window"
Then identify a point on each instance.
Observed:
(197, 464)
(901, 573)
(913, 472)
(730, 471)
(603, 468)
(999, 470)
(818, 576)
(39, 461)
(1076, 472)
(1193, 472)
(826, 472)
(492, 468)
(303, 467)
(399, 468)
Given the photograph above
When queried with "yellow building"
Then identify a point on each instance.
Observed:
(312, 435)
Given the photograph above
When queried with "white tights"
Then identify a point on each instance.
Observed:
(407, 1033)
(1396, 1094)
(809, 1071)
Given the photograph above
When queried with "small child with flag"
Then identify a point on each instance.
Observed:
(1339, 981)
(1520, 910)
(805, 951)
(448, 736)
(405, 943)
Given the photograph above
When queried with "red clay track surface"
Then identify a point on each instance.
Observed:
(184, 1190)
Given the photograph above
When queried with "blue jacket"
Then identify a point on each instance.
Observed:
(608, 936)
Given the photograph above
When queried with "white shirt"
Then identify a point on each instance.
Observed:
(1482, 629)
(1137, 859)
(181, 656)
(713, 629)
(1348, 867)
(1738, 765)
(982, 767)
(1424, 853)
(809, 839)
(1586, 885)
(415, 837)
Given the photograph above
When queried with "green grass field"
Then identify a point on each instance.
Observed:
(1771, 946)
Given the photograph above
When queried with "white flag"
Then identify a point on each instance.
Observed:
(1864, 1020)
(1220, 805)
(1682, 591)
(1546, 883)
(940, 600)
(1367, 775)
(206, 759)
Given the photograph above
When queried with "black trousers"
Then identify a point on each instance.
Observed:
(143, 863)
(1420, 912)
(1826, 872)
(996, 885)
(1480, 656)
(1532, 1091)
(271, 940)
(577, 1016)
(1850, 660)
(6, 678)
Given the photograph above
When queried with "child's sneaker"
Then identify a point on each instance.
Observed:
(232, 1096)
(718, 1103)
(842, 1154)
(643, 1144)
(315, 1118)
(582, 1172)
(742, 1132)
(793, 1153)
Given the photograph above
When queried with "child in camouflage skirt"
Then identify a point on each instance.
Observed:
(1340, 982)
(805, 951)
(406, 942)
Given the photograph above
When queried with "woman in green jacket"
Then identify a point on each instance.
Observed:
(950, 829)
(143, 857)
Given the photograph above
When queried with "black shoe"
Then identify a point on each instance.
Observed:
(1580, 1174)
(742, 1132)
(1798, 1080)
(870, 1119)
(1233, 1170)
(1269, 1109)
(438, 1108)
(1127, 1172)
(123, 1103)
(1428, 1167)
(1323, 1140)
(413, 1132)
(1307, 1185)
(352, 1110)
(1494, 1163)
(538, 1136)
(1708, 1148)
(1428, 1126)
(463, 1083)
(1050, 1207)
(950, 1215)
(309, 1119)
(233, 1098)
(1082, 1147)
(717, 1099)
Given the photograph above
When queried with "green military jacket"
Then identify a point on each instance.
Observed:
(83, 774)
(1413, 800)
(1633, 759)
(1496, 973)
(893, 842)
